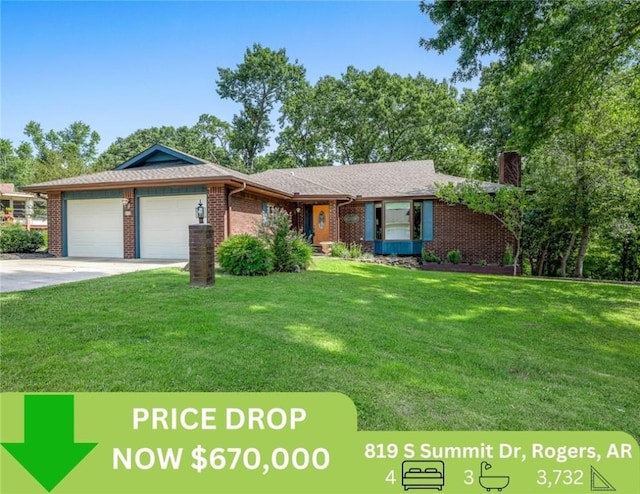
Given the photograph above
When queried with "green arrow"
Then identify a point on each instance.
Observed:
(49, 452)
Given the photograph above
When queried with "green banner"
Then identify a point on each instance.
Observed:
(282, 443)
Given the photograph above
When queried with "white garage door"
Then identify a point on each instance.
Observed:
(95, 228)
(164, 225)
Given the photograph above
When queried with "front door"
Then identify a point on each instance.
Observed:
(320, 224)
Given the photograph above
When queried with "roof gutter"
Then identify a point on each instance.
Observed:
(235, 191)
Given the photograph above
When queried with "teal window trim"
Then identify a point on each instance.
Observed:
(369, 221)
(171, 191)
(64, 228)
(93, 194)
(427, 221)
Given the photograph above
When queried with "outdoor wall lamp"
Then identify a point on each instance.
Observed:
(200, 212)
(125, 203)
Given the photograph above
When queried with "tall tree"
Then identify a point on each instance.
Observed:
(586, 176)
(559, 53)
(486, 126)
(58, 154)
(214, 141)
(17, 165)
(208, 139)
(302, 140)
(369, 116)
(259, 83)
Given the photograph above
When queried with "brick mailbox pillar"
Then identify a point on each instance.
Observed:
(201, 256)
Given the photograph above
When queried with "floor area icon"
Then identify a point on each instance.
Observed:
(599, 483)
(492, 482)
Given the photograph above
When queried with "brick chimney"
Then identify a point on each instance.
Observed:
(510, 168)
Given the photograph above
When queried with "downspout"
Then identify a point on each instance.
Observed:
(235, 191)
(338, 206)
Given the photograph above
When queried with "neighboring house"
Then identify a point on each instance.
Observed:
(22, 208)
(142, 208)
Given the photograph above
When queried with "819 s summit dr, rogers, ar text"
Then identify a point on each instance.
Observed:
(482, 451)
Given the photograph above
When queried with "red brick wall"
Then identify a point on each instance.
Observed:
(246, 213)
(54, 223)
(129, 221)
(333, 221)
(477, 236)
(217, 212)
(354, 232)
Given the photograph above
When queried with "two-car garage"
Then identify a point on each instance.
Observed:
(95, 226)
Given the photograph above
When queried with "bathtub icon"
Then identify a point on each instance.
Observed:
(492, 482)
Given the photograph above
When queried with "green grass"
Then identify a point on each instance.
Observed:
(413, 350)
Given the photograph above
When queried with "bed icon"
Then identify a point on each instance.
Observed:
(422, 474)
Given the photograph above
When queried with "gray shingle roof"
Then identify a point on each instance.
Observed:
(149, 172)
(369, 180)
(394, 179)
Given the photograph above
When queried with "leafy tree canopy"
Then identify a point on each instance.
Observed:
(559, 53)
(369, 116)
(263, 80)
(64, 153)
(208, 139)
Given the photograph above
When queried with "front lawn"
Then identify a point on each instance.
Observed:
(414, 350)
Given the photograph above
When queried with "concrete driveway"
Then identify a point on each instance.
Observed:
(26, 274)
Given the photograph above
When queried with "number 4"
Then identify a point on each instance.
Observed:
(391, 477)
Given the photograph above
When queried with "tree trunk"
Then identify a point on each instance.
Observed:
(543, 258)
(584, 242)
(516, 257)
(565, 256)
(533, 262)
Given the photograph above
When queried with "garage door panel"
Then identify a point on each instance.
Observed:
(95, 228)
(164, 225)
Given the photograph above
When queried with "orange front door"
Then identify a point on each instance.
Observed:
(320, 224)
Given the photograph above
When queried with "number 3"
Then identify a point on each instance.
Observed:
(469, 474)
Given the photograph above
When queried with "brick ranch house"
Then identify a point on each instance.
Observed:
(142, 208)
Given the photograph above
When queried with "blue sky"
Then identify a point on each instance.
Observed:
(123, 66)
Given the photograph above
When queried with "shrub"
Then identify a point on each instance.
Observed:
(454, 256)
(301, 252)
(286, 246)
(16, 238)
(339, 249)
(600, 263)
(430, 256)
(483, 262)
(507, 258)
(355, 250)
(245, 255)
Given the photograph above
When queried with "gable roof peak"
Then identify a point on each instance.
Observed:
(159, 154)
